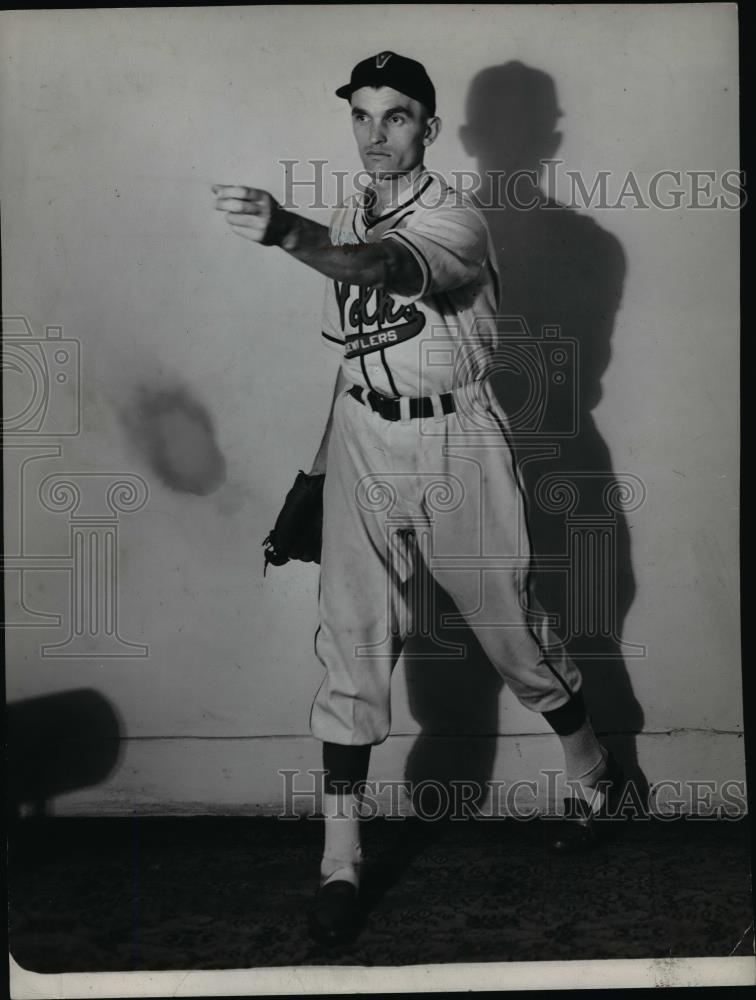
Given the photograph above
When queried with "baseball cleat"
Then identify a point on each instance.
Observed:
(582, 827)
(335, 916)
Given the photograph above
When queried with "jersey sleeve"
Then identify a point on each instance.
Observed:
(449, 243)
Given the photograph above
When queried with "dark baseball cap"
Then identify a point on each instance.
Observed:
(387, 69)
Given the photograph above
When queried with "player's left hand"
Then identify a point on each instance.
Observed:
(252, 213)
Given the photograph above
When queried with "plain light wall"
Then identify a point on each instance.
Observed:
(115, 124)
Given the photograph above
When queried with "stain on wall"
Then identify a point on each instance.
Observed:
(175, 435)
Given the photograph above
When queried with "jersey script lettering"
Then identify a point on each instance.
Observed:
(371, 318)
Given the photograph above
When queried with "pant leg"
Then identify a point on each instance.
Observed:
(364, 570)
(481, 557)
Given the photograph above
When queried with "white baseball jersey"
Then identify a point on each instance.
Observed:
(441, 337)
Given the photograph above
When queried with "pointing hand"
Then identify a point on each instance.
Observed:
(252, 213)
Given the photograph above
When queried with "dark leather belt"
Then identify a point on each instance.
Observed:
(388, 406)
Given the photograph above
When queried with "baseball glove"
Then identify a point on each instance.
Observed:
(299, 527)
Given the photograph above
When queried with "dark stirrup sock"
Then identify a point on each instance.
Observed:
(568, 718)
(346, 768)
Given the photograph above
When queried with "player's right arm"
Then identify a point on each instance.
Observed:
(319, 463)
(257, 216)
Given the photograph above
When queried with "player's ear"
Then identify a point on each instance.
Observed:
(432, 128)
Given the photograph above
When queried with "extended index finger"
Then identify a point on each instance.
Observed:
(236, 191)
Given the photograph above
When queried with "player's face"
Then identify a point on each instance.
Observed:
(391, 130)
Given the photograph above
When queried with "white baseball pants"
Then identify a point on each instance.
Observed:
(445, 486)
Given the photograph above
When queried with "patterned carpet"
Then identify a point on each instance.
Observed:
(122, 894)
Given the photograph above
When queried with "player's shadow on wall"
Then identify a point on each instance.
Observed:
(559, 269)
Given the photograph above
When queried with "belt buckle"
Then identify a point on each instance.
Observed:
(378, 402)
(385, 406)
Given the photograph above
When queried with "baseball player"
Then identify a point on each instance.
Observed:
(415, 449)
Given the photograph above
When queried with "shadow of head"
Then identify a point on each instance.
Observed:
(511, 118)
(175, 435)
(559, 269)
(58, 743)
